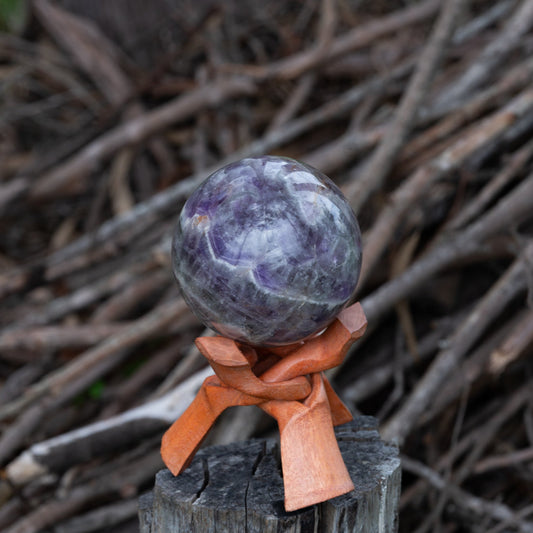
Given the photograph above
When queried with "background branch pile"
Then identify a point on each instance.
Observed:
(113, 112)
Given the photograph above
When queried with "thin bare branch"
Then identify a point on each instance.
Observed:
(376, 170)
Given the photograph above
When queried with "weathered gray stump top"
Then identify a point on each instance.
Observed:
(239, 488)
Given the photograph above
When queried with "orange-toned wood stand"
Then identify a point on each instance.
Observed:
(288, 383)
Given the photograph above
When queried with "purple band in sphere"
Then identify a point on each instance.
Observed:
(267, 251)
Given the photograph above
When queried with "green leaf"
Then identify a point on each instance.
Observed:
(13, 15)
(96, 390)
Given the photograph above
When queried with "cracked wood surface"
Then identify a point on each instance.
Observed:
(239, 488)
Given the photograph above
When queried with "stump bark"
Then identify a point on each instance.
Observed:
(239, 487)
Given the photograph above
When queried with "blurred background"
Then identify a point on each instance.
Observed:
(111, 113)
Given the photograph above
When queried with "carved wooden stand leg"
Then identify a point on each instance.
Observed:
(313, 468)
(183, 438)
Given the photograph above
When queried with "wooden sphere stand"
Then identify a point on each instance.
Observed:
(287, 383)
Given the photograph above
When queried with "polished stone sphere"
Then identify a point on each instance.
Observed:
(267, 251)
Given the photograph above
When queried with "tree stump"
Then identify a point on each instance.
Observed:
(239, 487)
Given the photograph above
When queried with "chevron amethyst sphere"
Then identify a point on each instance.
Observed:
(267, 251)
